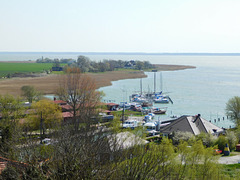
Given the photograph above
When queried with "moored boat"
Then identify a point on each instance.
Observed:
(161, 100)
(159, 110)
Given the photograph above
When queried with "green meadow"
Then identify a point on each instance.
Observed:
(11, 68)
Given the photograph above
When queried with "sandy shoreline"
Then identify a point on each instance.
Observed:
(48, 84)
(168, 67)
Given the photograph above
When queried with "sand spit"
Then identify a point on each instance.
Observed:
(48, 84)
(167, 67)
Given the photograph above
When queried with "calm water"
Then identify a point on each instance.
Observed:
(204, 90)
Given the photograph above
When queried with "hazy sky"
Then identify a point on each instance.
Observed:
(120, 25)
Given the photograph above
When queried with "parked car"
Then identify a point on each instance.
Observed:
(46, 141)
(130, 124)
(217, 151)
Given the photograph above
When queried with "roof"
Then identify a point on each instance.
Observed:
(67, 114)
(106, 111)
(112, 104)
(193, 124)
(61, 102)
(66, 107)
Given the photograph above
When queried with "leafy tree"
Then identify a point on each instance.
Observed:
(112, 65)
(30, 93)
(103, 66)
(221, 142)
(11, 111)
(83, 63)
(48, 111)
(149, 162)
(180, 135)
(56, 63)
(207, 139)
(232, 139)
(10, 107)
(147, 65)
(120, 63)
(139, 65)
(196, 162)
(233, 109)
(93, 66)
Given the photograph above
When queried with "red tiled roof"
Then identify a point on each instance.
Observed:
(67, 107)
(106, 111)
(60, 102)
(112, 104)
(67, 114)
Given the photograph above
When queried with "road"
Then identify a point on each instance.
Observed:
(229, 159)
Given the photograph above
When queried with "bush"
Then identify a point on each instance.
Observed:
(232, 140)
(207, 139)
(221, 142)
(180, 135)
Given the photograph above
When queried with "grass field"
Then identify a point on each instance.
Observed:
(11, 68)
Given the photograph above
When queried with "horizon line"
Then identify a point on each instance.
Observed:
(128, 53)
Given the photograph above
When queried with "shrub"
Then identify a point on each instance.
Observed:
(180, 135)
(221, 142)
(232, 139)
(207, 139)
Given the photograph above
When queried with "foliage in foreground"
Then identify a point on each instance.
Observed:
(92, 152)
(89, 154)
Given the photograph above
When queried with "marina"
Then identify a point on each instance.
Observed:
(203, 90)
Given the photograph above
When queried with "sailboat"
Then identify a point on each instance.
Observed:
(160, 97)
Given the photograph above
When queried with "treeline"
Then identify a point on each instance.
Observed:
(87, 65)
(48, 60)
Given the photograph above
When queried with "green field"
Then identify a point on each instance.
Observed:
(11, 68)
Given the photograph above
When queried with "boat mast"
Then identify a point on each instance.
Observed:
(141, 85)
(154, 82)
(161, 83)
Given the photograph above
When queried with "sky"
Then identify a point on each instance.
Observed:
(154, 26)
